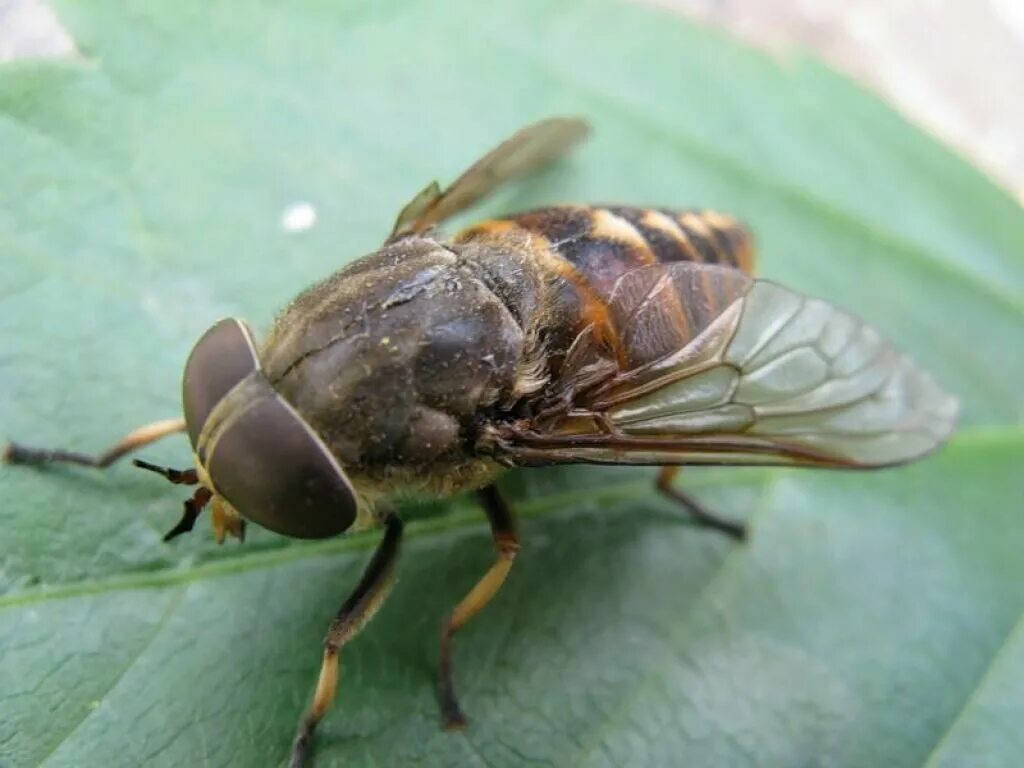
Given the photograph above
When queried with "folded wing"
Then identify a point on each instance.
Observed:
(760, 375)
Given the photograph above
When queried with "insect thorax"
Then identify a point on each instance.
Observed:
(396, 360)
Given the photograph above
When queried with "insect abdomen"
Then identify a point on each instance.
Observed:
(603, 242)
(581, 252)
(693, 235)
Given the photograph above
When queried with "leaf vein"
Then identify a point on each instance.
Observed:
(1015, 634)
(172, 606)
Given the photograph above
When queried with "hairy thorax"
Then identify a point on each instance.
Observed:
(394, 361)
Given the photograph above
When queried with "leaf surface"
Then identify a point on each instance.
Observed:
(872, 619)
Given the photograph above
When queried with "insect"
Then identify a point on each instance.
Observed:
(570, 334)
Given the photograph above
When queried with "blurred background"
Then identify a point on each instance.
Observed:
(955, 67)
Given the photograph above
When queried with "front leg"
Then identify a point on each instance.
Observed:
(506, 542)
(358, 609)
(16, 453)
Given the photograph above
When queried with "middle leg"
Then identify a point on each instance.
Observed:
(358, 609)
(506, 543)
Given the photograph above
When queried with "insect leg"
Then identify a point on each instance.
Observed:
(190, 513)
(15, 453)
(358, 609)
(175, 476)
(506, 542)
(700, 515)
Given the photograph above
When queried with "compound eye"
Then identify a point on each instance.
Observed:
(274, 469)
(220, 359)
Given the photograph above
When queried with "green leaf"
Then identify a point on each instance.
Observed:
(872, 619)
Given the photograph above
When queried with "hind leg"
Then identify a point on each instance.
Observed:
(696, 511)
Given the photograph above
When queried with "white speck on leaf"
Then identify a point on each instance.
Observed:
(298, 217)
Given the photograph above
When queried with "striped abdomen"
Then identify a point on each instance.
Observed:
(605, 241)
(582, 251)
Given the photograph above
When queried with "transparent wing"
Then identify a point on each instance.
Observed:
(759, 375)
(529, 150)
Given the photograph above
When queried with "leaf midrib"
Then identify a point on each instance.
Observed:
(976, 439)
